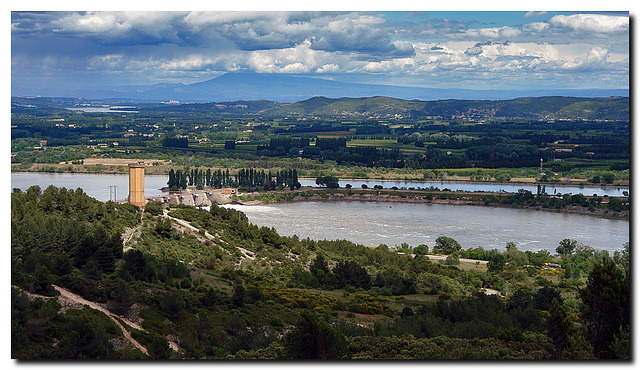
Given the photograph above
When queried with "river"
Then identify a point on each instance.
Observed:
(482, 187)
(97, 185)
(94, 185)
(374, 223)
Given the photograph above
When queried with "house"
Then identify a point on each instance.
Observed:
(230, 191)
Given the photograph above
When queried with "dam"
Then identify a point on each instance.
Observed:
(196, 198)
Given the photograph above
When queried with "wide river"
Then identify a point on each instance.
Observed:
(374, 223)
(97, 185)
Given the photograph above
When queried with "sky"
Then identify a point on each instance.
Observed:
(68, 50)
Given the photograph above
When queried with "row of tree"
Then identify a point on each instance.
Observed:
(245, 177)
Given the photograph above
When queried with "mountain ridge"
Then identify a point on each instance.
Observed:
(292, 88)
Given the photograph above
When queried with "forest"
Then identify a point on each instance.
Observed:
(226, 289)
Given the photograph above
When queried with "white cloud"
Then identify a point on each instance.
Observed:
(591, 22)
(329, 68)
(535, 14)
(492, 33)
(93, 22)
(535, 27)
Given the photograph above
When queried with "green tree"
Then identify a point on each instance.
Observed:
(496, 260)
(154, 208)
(608, 178)
(85, 338)
(172, 304)
(446, 245)
(329, 181)
(566, 247)
(559, 327)
(42, 281)
(123, 298)
(163, 228)
(606, 296)
(421, 249)
(314, 339)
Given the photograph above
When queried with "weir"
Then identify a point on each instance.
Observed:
(197, 198)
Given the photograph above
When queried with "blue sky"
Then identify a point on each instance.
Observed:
(61, 51)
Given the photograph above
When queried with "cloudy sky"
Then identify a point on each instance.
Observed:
(476, 50)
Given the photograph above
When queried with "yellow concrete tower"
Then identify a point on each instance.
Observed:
(136, 184)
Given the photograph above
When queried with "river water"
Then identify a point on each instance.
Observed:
(482, 187)
(97, 185)
(374, 223)
(94, 185)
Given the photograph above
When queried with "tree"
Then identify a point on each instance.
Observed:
(154, 208)
(42, 281)
(559, 327)
(163, 228)
(85, 338)
(329, 181)
(123, 298)
(421, 249)
(350, 273)
(497, 261)
(606, 296)
(172, 304)
(566, 247)
(314, 339)
(446, 245)
(608, 178)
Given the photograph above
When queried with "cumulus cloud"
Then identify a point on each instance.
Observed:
(591, 22)
(492, 33)
(111, 26)
(329, 68)
(535, 27)
(209, 43)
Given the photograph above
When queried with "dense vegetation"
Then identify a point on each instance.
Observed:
(232, 290)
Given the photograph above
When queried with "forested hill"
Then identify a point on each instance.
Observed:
(151, 287)
(555, 107)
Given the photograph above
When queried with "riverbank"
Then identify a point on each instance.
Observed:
(400, 196)
(583, 183)
(93, 165)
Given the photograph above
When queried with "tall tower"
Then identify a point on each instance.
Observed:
(136, 184)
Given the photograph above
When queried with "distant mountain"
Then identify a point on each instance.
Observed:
(291, 88)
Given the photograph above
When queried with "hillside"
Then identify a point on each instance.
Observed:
(556, 107)
(196, 284)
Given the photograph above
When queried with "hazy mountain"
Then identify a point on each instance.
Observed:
(291, 88)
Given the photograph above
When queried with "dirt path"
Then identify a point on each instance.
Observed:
(74, 298)
(433, 257)
(129, 232)
(196, 232)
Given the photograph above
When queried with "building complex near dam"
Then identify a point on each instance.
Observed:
(196, 198)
